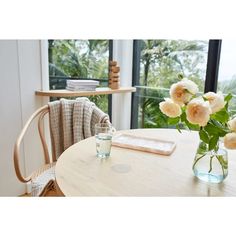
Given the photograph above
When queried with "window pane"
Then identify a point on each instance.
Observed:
(79, 59)
(227, 71)
(160, 63)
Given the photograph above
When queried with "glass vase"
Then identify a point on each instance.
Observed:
(211, 166)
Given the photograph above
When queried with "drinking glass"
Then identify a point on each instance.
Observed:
(103, 135)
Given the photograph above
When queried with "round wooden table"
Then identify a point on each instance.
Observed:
(135, 173)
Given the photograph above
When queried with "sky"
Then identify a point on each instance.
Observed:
(228, 60)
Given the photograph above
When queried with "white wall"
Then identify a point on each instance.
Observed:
(121, 103)
(21, 63)
(20, 76)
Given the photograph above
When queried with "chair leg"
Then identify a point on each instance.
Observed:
(49, 190)
(58, 190)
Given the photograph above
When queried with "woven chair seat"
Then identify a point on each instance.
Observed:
(43, 181)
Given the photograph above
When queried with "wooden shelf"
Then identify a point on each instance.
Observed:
(98, 91)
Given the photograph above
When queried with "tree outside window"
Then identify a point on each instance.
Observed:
(79, 59)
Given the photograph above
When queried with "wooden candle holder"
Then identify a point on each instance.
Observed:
(114, 79)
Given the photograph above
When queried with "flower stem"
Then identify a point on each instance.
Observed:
(210, 164)
(222, 165)
(199, 158)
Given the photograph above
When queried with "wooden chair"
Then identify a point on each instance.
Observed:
(43, 179)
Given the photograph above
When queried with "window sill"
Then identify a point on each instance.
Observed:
(98, 91)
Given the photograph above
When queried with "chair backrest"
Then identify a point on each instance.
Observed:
(99, 116)
(40, 113)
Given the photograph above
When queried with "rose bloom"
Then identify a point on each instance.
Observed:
(169, 108)
(198, 111)
(230, 141)
(232, 124)
(216, 101)
(182, 92)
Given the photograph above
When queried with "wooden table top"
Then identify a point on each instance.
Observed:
(134, 173)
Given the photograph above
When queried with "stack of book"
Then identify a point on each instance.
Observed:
(81, 85)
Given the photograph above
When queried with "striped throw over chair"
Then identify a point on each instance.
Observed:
(70, 121)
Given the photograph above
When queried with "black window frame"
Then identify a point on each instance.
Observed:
(211, 80)
(110, 58)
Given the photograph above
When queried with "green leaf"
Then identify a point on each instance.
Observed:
(173, 121)
(223, 162)
(217, 124)
(215, 129)
(213, 142)
(183, 109)
(191, 126)
(202, 148)
(204, 136)
(183, 117)
(228, 97)
(180, 76)
(227, 100)
(221, 116)
(211, 129)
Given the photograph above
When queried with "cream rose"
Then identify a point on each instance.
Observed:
(216, 101)
(182, 92)
(169, 108)
(232, 124)
(198, 111)
(230, 141)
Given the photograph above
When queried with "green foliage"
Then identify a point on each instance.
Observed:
(80, 59)
(228, 97)
(173, 121)
(162, 63)
(229, 86)
(149, 99)
(100, 101)
(202, 148)
(221, 116)
(216, 127)
(213, 142)
(162, 60)
(204, 136)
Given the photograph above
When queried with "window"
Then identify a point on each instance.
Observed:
(227, 71)
(80, 59)
(157, 64)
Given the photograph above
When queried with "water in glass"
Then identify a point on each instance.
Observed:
(103, 135)
(103, 145)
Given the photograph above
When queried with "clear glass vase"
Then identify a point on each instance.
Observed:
(211, 166)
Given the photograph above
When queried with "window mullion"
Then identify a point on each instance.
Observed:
(110, 96)
(213, 62)
(135, 82)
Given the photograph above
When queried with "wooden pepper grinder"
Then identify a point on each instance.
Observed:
(114, 80)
